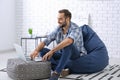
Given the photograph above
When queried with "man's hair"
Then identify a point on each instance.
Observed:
(66, 12)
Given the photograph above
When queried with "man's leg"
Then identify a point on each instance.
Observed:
(68, 53)
(54, 59)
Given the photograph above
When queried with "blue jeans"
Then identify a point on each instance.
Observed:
(70, 58)
(60, 60)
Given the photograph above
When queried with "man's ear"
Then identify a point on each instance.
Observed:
(68, 19)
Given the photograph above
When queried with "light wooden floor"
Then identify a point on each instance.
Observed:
(4, 56)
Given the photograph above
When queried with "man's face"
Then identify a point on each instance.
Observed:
(61, 20)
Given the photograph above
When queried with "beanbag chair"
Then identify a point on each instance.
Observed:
(97, 56)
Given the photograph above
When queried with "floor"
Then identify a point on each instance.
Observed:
(4, 56)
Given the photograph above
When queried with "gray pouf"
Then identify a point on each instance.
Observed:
(19, 69)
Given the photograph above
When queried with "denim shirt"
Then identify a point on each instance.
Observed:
(74, 32)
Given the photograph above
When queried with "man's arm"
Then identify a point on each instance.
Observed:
(40, 46)
(61, 45)
(36, 51)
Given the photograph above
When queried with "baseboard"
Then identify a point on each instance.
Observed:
(8, 50)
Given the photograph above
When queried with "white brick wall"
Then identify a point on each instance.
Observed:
(41, 15)
(19, 18)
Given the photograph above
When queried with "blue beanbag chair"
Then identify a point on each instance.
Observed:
(97, 56)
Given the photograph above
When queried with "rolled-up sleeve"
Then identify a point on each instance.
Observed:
(74, 34)
(50, 38)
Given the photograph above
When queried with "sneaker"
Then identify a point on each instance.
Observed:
(54, 76)
(64, 72)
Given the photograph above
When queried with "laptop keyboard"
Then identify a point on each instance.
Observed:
(28, 59)
(36, 59)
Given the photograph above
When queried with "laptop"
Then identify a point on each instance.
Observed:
(22, 56)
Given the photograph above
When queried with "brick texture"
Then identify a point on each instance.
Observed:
(41, 15)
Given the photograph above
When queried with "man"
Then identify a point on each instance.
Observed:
(69, 48)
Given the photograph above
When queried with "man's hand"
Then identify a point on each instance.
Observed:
(36, 51)
(34, 54)
(47, 56)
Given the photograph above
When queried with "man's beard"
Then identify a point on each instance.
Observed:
(63, 25)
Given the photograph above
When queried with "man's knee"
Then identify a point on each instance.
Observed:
(43, 51)
(69, 47)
